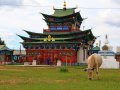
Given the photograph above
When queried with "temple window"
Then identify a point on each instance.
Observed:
(59, 27)
(65, 28)
(52, 28)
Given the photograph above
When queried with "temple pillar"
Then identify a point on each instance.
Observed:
(80, 55)
(85, 56)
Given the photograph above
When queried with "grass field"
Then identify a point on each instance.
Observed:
(50, 78)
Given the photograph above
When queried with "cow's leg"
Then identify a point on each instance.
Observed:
(90, 74)
(97, 74)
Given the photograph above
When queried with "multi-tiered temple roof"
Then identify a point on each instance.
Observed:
(63, 27)
(63, 37)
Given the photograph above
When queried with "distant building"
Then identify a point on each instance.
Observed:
(108, 56)
(18, 56)
(93, 50)
(10, 56)
(5, 54)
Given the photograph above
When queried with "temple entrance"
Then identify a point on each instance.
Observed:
(48, 61)
(50, 57)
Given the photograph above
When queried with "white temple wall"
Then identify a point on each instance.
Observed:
(108, 57)
(110, 64)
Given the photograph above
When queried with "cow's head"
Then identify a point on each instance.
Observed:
(90, 72)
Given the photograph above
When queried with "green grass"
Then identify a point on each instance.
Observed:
(50, 78)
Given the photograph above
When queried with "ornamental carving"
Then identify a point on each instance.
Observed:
(49, 38)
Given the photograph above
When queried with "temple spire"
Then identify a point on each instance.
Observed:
(64, 5)
(106, 40)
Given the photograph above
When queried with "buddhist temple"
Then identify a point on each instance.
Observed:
(5, 53)
(63, 40)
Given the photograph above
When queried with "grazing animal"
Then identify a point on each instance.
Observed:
(94, 62)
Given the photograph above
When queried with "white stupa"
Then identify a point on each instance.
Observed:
(108, 56)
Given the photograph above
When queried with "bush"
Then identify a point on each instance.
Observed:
(63, 69)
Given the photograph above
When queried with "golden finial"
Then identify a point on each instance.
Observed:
(49, 36)
(76, 6)
(45, 39)
(65, 4)
(53, 7)
(53, 39)
(96, 44)
(99, 43)
(106, 36)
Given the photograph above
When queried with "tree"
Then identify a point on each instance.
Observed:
(2, 42)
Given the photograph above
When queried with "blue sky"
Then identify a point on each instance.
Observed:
(16, 15)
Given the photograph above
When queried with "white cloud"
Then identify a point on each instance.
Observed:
(116, 1)
(12, 3)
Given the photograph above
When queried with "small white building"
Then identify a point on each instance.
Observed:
(109, 60)
(108, 57)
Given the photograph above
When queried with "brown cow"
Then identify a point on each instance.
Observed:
(94, 62)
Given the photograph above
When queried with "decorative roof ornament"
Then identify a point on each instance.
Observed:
(53, 39)
(49, 38)
(45, 39)
(76, 5)
(106, 47)
(106, 40)
(97, 44)
(64, 5)
(53, 7)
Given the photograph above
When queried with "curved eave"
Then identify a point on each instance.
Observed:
(28, 32)
(5, 48)
(86, 32)
(51, 42)
(62, 9)
(32, 33)
(26, 38)
(70, 20)
(87, 35)
(72, 38)
(68, 33)
(57, 39)
(60, 17)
